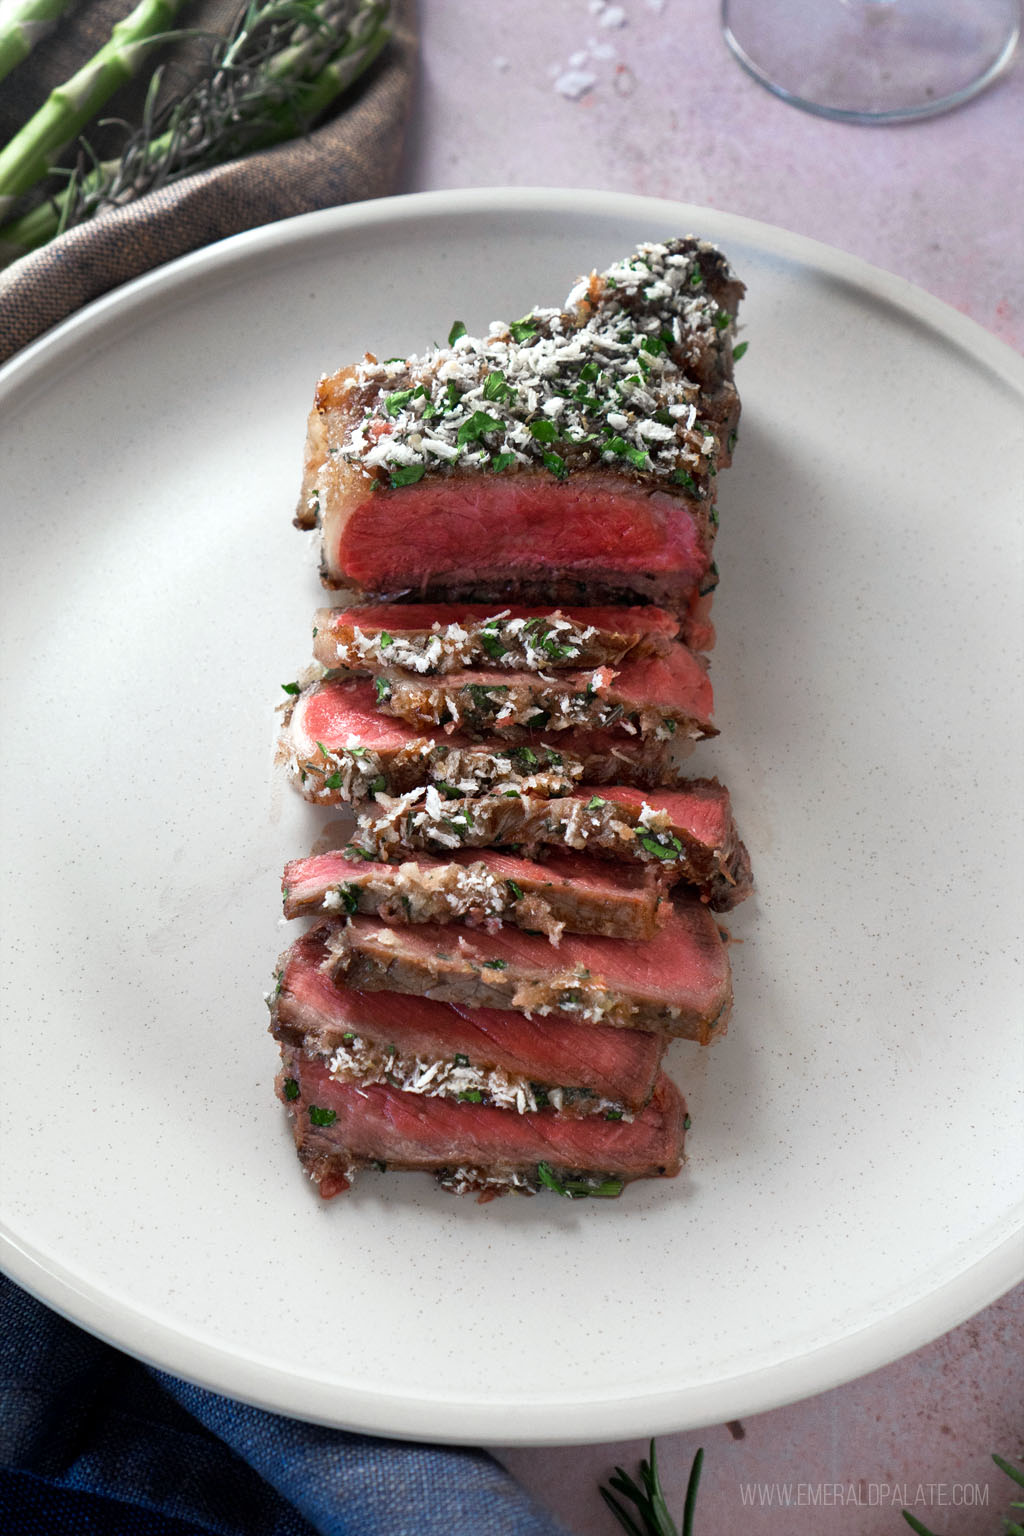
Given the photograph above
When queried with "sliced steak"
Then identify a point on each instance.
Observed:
(568, 892)
(341, 1127)
(658, 697)
(340, 750)
(431, 1047)
(437, 638)
(688, 834)
(678, 983)
(577, 444)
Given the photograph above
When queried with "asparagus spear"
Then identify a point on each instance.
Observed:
(282, 67)
(22, 24)
(31, 153)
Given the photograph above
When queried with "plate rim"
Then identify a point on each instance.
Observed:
(222, 1369)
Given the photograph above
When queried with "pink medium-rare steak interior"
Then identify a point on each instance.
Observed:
(336, 714)
(678, 982)
(477, 526)
(404, 1130)
(312, 1009)
(700, 809)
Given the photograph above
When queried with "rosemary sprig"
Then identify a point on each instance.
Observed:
(283, 64)
(649, 1499)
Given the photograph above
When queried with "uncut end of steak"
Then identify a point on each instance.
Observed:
(688, 835)
(577, 444)
(567, 893)
(437, 638)
(496, 1055)
(339, 749)
(676, 984)
(340, 1128)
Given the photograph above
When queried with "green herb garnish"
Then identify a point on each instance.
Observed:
(472, 1096)
(522, 330)
(382, 689)
(595, 802)
(502, 461)
(556, 464)
(670, 849)
(291, 688)
(544, 430)
(737, 352)
(291, 1088)
(496, 387)
(457, 330)
(475, 426)
(578, 1189)
(515, 890)
(320, 1116)
(407, 475)
(496, 965)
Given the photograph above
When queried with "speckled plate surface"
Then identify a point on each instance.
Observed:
(854, 1174)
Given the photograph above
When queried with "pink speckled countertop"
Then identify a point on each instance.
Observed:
(541, 93)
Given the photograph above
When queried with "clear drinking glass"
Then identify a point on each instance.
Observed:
(873, 61)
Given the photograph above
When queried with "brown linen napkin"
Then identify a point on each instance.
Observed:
(352, 156)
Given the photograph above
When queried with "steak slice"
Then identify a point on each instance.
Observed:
(688, 834)
(437, 1047)
(577, 444)
(567, 892)
(341, 1127)
(340, 750)
(678, 983)
(659, 697)
(433, 638)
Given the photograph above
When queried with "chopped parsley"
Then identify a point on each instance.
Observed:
(737, 352)
(515, 890)
(595, 802)
(460, 1060)
(475, 426)
(291, 688)
(557, 465)
(502, 461)
(544, 430)
(320, 1116)
(408, 474)
(495, 965)
(382, 688)
(457, 330)
(496, 387)
(472, 1096)
(291, 1088)
(671, 848)
(522, 330)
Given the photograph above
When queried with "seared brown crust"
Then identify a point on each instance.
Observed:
(606, 828)
(692, 1003)
(537, 898)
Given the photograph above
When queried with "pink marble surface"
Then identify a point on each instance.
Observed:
(668, 113)
(917, 1434)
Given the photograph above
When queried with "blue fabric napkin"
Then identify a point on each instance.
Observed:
(94, 1442)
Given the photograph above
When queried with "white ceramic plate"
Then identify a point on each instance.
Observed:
(853, 1175)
